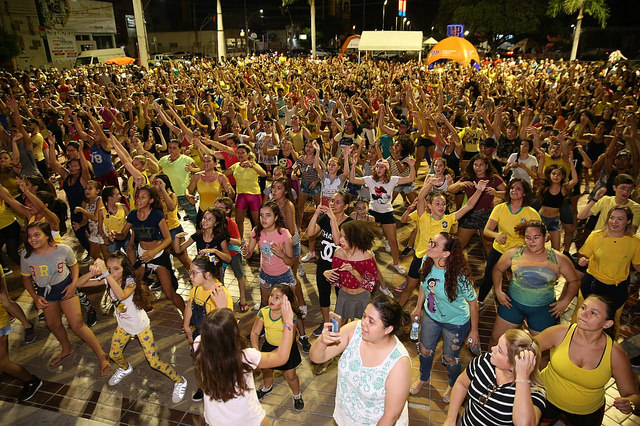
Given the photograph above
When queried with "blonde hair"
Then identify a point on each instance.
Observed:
(517, 341)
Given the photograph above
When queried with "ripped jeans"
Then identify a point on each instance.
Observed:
(453, 337)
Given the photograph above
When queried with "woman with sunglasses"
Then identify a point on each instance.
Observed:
(503, 385)
(448, 307)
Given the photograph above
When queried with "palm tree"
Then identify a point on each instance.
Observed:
(312, 5)
(596, 8)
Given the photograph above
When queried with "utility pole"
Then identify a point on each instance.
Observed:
(141, 33)
(222, 42)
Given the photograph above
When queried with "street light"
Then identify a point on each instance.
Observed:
(384, 7)
(409, 25)
(246, 24)
(404, 21)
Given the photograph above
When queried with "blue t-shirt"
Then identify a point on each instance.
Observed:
(437, 304)
(149, 229)
(100, 160)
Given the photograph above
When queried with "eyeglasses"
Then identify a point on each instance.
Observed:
(485, 398)
(433, 243)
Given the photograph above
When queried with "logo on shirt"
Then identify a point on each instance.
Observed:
(445, 224)
(380, 194)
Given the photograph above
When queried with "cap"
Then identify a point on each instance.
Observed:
(623, 152)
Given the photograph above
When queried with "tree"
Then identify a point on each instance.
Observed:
(312, 5)
(498, 19)
(9, 47)
(598, 9)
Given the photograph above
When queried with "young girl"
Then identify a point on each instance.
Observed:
(274, 240)
(212, 240)
(55, 290)
(113, 219)
(551, 195)
(129, 300)
(354, 269)
(310, 168)
(431, 223)
(169, 201)
(381, 185)
(226, 205)
(206, 295)
(224, 368)
(361, 211)
(92, 208)
(270, 318)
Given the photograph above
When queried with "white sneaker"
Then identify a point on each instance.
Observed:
(387, 247)
(179, 389)
(119, 375)
(303, 311)
(256, 307)
(309, 256)
(399, 269)
(301, 271)
(386, 291)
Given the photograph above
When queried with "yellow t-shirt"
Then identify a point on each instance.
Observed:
(273, 327)
(604, 206)
(507, 221)
(132, 191)
(201, 297)
(7, 216)
(610, 258)
(246, 179)
(429, 227)
(548, 161)
(114, 222)
(4, 316)
(38, 141)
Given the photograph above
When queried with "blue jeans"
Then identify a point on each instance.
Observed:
(189, 209)
(453, 337)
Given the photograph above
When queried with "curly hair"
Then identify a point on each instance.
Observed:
(457, 268)
(279, 219)
(219, 359)
(142, 295)
(470, 174)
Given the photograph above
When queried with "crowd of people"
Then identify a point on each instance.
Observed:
(265, 153)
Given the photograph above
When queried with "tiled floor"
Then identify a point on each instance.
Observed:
(74, 394)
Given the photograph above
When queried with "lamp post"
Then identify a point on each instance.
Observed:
(408, 25)
(404, 21)
(384, 7)
(246, 24)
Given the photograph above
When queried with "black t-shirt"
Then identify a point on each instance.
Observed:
(201, 244)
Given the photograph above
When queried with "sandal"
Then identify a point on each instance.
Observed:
(57, 360)
(243, 307)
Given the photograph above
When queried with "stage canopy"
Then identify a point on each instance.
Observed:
(454, 49)
(391, 41)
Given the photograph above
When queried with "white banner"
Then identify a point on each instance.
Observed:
(62, 45)
(80, 16)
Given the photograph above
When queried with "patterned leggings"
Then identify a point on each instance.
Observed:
(121, 338)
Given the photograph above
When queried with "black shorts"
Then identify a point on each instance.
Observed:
(552, 413)
(54, 292)
(424, 142)
(294, 357)
(414, 269)
(383, 218)
(475, 219)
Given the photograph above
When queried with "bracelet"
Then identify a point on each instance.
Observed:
(288, 326)
(103, 276)
(523, 381)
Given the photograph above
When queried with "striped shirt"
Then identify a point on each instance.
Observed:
(498, 400)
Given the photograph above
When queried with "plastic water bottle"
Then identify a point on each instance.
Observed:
(415, 329)
(474, 351)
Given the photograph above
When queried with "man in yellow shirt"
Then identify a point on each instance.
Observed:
(600, 206)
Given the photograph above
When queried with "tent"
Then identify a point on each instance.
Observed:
(391, 41)
(124, 60)
(455, 49)
(430, 41)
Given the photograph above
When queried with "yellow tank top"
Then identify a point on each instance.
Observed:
(297, 139)
(564, 380)
(209, 193)
(7, 216)
(114, 222)
(171, 216)
(4, 316)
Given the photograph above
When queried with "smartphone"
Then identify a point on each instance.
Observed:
(335, 321)
(325, 201)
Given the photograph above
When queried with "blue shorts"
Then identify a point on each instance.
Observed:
(538, 317)
(552, 223)
(305, 188)
(6, 330)
(118, 245)
(296, 250)
(54, 293)
(268, 281)
(175, 231)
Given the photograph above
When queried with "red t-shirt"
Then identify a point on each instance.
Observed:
(366, 268)
(230, 160)
(232, 227)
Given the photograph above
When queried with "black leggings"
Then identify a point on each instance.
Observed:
(617, 293)
(552, 413)
(487, 281)
(324, 287)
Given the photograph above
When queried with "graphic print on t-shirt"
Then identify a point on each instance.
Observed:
(380, 194)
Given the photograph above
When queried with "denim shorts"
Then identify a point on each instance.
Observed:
(538, 317)
(119, 245)
(268, 281)
(175, 231)
(407, 188)
(305, 188)
(6, 330)
(475, 219)
(236, 266)
(296, 250)
(54, 293)
(552, 223)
